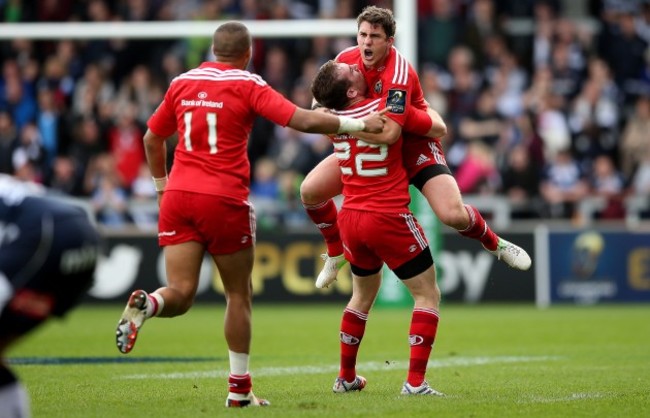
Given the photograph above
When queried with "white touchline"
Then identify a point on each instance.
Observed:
(367, 366)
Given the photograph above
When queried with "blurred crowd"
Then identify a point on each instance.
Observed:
(545, 115)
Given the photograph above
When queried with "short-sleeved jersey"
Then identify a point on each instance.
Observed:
(373, 176)
(396, 82)
(212, 108)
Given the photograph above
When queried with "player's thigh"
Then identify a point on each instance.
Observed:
(323, 182)
(443, 194)
(183, 265)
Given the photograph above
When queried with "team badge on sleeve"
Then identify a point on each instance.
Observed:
(396, 101)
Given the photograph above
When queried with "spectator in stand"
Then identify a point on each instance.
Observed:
(635, 141)
(50, 125)
(593, 120)
(139, 93)
(481, 24)
(622, 48)
(478, 173)
(108, 198)
(88, 142)
(63, 178)
(433, 93)
(18, 97)
(438, 32)
(93, 90)
(565, 78)
(520, 182)
(563, 185)
(125, 144)
(607, 182)
(30, 150)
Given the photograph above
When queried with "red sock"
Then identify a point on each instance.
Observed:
(324, 215)
(240, 383)
(422, 334)
(353, 326)
(479, 229)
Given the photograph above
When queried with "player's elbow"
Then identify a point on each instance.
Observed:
(438, 130)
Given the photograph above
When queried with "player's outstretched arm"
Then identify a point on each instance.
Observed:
(320, 122)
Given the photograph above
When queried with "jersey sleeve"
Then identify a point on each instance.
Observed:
(417, 121)
(163, 121)
(402, 89)
(272, 105)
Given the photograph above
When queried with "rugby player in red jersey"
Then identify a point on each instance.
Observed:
(204, 201)
(377, 227)
(389, 76)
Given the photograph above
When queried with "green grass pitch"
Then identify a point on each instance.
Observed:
(489, 360)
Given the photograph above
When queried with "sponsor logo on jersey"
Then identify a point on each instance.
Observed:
(422, 159)
(202, 95)
(415, 339)
(167, 233)
(202, 103)
(348, 339)
(396, 101)
(378, 87)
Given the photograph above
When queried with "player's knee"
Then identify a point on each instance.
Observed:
(454, 215)
(309, 193)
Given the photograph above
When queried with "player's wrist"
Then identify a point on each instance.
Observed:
(160, 183)
(347, 125)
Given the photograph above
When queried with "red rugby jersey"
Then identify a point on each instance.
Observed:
(212, 108)
(374, 178)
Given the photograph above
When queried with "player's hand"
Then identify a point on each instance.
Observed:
(375, 121)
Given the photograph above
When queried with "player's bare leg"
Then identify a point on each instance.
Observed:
(445, 199)
(316, 192)
(235, 271)
(182, 264)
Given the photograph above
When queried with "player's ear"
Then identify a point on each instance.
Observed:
(390, 41)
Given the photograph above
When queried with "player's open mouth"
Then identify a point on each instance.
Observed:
(367, 54)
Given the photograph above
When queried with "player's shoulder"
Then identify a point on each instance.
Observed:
(349, 55)
(216, 72)
(399, 69)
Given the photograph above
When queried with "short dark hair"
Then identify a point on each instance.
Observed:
(328, 88)
(231, 40)
(378, 16)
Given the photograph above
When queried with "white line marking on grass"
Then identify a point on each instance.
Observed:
(571, 397)
(367, 366)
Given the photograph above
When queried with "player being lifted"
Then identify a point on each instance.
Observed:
(377, 227)
(389, 76)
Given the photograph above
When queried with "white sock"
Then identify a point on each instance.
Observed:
(152, 309)
(14, 401)
(238, 363)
